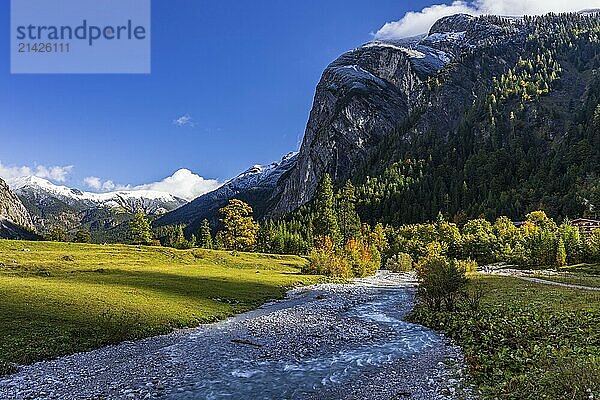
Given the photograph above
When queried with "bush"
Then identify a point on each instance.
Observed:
(356, 259)
(441, 282)
(401, 262)
(325, 260)
(468, 265)
(82, 237)
(364, 260)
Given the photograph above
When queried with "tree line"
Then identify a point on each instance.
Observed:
(329, 230)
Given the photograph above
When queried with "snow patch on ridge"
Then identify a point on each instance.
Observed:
(151, 201)
(261, 174)
(446, 37)
(412, 53)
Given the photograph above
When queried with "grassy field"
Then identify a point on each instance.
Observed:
(527, 340)
(61, 298)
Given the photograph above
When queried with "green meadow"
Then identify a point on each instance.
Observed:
(527, 340)
(61, 298)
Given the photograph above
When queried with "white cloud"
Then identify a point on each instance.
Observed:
(53, 173)
(416, 23)
(97, 184)
(419, 22)
(183, 183)
(94, 182)
(184, 120)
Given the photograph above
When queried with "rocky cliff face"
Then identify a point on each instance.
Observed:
(374, 89)
(15, 221)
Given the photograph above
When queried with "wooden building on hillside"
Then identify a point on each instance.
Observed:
(586, 226)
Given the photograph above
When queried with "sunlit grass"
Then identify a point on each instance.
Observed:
(60, 298)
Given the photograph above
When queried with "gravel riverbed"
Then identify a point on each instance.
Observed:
(321, 342)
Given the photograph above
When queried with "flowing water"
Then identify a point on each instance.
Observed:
(323, 342)
(248, 378)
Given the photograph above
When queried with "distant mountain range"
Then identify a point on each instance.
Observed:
(43, 205)
(52, 205)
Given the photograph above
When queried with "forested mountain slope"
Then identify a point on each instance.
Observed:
(483, 116)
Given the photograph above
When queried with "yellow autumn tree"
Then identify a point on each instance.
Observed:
(240, 229)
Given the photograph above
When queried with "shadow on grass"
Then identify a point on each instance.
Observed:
(38, 325)
(180, 285)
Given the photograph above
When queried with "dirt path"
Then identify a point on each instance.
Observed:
(566, 285)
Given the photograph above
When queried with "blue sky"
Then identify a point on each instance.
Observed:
(243, 71)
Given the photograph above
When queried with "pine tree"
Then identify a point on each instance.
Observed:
(378, 238)
(139, 229)
(219, 243)
(349, 220)
(180, 242)
(205, 237)
(573, 242)
(325, 223)
(266, 236)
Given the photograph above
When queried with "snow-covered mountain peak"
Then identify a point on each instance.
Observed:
(258, 174)
(430, 53)
(40, 184)
(35, 183)
(38, 190)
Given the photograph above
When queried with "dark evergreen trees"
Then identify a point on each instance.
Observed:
(139, 231)
(325, 222)
(205, 237)
(349, 221)
(530, 141)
